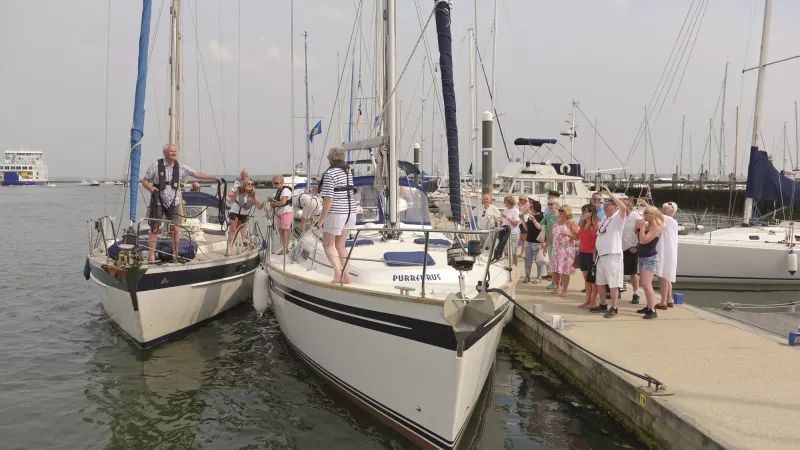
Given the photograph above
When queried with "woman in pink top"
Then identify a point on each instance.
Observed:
(587, 236)
(563, 248)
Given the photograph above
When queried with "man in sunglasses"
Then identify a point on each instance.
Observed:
(609, 252)
(597, 202)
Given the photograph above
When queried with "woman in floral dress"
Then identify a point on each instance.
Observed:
(563, 252)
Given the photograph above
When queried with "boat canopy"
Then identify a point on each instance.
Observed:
(533, 142)
(193, 198)
(764, 182)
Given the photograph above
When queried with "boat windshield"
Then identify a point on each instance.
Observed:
(507, 184)
(412, 206)
(368, 208)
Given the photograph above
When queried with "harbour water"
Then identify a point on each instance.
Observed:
(69, 380)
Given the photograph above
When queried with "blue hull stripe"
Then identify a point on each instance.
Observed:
(165, 280)
(430, 333)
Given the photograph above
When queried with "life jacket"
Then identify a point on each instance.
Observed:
(280, 191)
(245, 202)
(349, 188)
(162, 178)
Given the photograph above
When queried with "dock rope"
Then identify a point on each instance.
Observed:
(645, 377)
(733, 306)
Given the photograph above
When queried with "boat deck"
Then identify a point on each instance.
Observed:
(727, 380)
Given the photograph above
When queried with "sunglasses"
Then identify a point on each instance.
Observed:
(560, 210)
(249, 184)
(586, 210)
(549, 204)
(595, 199)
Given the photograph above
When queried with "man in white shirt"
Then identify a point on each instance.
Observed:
(609, 252)
(487, 214)
(630, 239)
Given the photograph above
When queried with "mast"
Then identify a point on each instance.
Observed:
(308, 124)
(710, 145)
(445, 41)
(291, 80)
(378, 68)
(721, 163)
(762, 60)
(785, 141)
(137, 131)
(476, 123)
(175, 74)
(735, 165)
(680, 167)
(494, 60)
(391, 110)
(422, 112)
(572, 133)
(473, 136)
(796, 141)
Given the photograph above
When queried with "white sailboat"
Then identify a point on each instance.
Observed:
(413, 338)
(752, 254)
(152, 302)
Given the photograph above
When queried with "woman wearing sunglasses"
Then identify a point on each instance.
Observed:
(533, 227)
(563, 236)
(510, 217)
(548, 222)
(243, 199)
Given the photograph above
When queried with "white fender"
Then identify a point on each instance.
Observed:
(791, 262)
(261, 291)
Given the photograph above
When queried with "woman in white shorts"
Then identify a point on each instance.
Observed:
(338, 215)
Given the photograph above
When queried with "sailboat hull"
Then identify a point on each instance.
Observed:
(173, 300)
(396, 359)
(717, 260)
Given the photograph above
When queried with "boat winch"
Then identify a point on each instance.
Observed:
(128, 266)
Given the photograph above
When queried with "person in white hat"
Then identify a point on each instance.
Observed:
(667, 249)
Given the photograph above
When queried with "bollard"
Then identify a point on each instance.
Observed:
(538, 310)
(558, 322)
(677, 298)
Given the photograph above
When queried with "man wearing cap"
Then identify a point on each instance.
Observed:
(667, 249)
(609, 253)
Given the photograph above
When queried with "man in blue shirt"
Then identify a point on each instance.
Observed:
(597, 202)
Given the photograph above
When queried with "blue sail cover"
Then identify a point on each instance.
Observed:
(449, 96)
(138, 107)
(764, 182)
(533, 142)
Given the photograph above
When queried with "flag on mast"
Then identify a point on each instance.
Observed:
(315, 131)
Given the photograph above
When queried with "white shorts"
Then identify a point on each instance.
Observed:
(336, 223)
(609, 270)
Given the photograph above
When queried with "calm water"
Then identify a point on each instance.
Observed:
(70, 381)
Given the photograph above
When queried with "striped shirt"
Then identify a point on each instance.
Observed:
(334, 178)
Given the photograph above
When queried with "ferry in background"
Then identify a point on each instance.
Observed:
(23, 167)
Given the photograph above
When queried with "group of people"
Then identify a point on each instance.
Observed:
(607, 242)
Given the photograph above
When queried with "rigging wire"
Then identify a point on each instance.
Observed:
(341, 78)
(153, 84)
(598, 134)
(496, 117)
(239, 88)
(108, 54)
(208, 90)
(221, 79)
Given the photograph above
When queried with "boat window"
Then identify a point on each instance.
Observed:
(367, 205)
(506, 186)
(515, 189)
(560, 186)
(753, 237)
(412, 206)
(542, 187)
(527, 187)
(571, 189)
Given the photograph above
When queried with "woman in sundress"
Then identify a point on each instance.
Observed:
(563, 257)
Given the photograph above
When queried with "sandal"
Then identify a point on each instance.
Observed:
(670, 305)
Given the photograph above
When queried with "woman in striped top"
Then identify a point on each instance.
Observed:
(338, 215)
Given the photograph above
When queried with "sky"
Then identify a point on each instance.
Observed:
(70, 70)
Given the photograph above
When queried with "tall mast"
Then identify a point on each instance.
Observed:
(378, 68)
(680, 167)
(291, 80)
(472, 135)
(422, 113)
(571, 133)
(308, 124)
(785, 141)
(594, 146)
(762, 59)
(494, 60)
(796, 141)
(476, 122)
(175, 74)
(722, 153)
(391, 110)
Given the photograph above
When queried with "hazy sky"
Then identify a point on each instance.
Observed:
(607, 54)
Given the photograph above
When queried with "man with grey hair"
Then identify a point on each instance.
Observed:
(282, 205)
(338, 214)
(630, 240)
(167, 174)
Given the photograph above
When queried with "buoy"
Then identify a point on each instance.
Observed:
(261, 291)
(565, 169)
(791, 262)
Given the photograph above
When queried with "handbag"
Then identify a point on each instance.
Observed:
(540, 237)
(576, 263)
